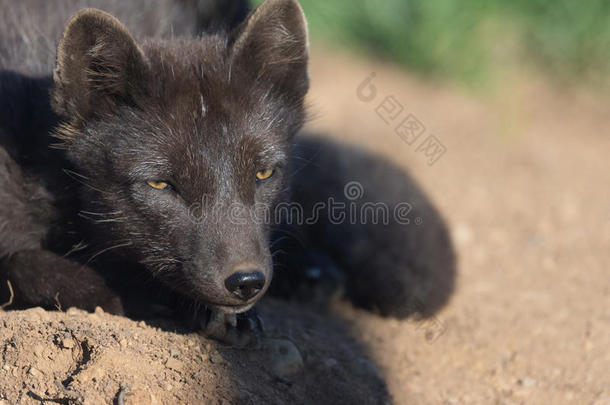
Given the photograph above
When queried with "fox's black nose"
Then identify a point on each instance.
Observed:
(245, 285)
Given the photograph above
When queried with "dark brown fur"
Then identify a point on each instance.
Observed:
(80, 226)
(203, 114)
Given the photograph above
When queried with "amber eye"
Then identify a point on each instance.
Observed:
(265, 174)
(158, 185)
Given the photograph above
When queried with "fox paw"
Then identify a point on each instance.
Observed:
(238, 330)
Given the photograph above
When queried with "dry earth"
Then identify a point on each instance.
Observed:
(524, 185)
(82, 358)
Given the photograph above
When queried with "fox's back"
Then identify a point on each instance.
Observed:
(31, 29)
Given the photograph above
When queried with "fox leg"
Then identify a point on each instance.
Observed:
(42, 278)
(29, 274)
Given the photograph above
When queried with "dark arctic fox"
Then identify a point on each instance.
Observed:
(120, 173)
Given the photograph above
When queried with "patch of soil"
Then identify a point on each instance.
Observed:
(94, 358)
(523, 185)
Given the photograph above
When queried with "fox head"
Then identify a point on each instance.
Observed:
(168, 138)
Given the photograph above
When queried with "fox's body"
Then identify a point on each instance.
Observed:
(121, 171)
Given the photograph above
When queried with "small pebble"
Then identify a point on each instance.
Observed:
(527, 382)
(72, 311)
(34, 372)
(67, 343)
(174, 364)
(286, 360)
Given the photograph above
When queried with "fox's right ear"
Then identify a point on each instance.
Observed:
(99, 65)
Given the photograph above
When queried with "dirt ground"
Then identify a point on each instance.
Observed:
(524, 186)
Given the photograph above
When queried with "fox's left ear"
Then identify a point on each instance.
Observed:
(273, 44)
(99, 65)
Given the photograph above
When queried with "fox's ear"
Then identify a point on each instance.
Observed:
(273, 44)
(99, 65)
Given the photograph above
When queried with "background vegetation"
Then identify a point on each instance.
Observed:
(472, 40)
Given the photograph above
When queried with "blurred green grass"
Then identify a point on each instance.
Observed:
(472, 40)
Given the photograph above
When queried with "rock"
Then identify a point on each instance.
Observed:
(286, 360)
(174, 364)
(527, 382)
(34, 372)
(67, 343)
(37, 313)
(73, 311)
